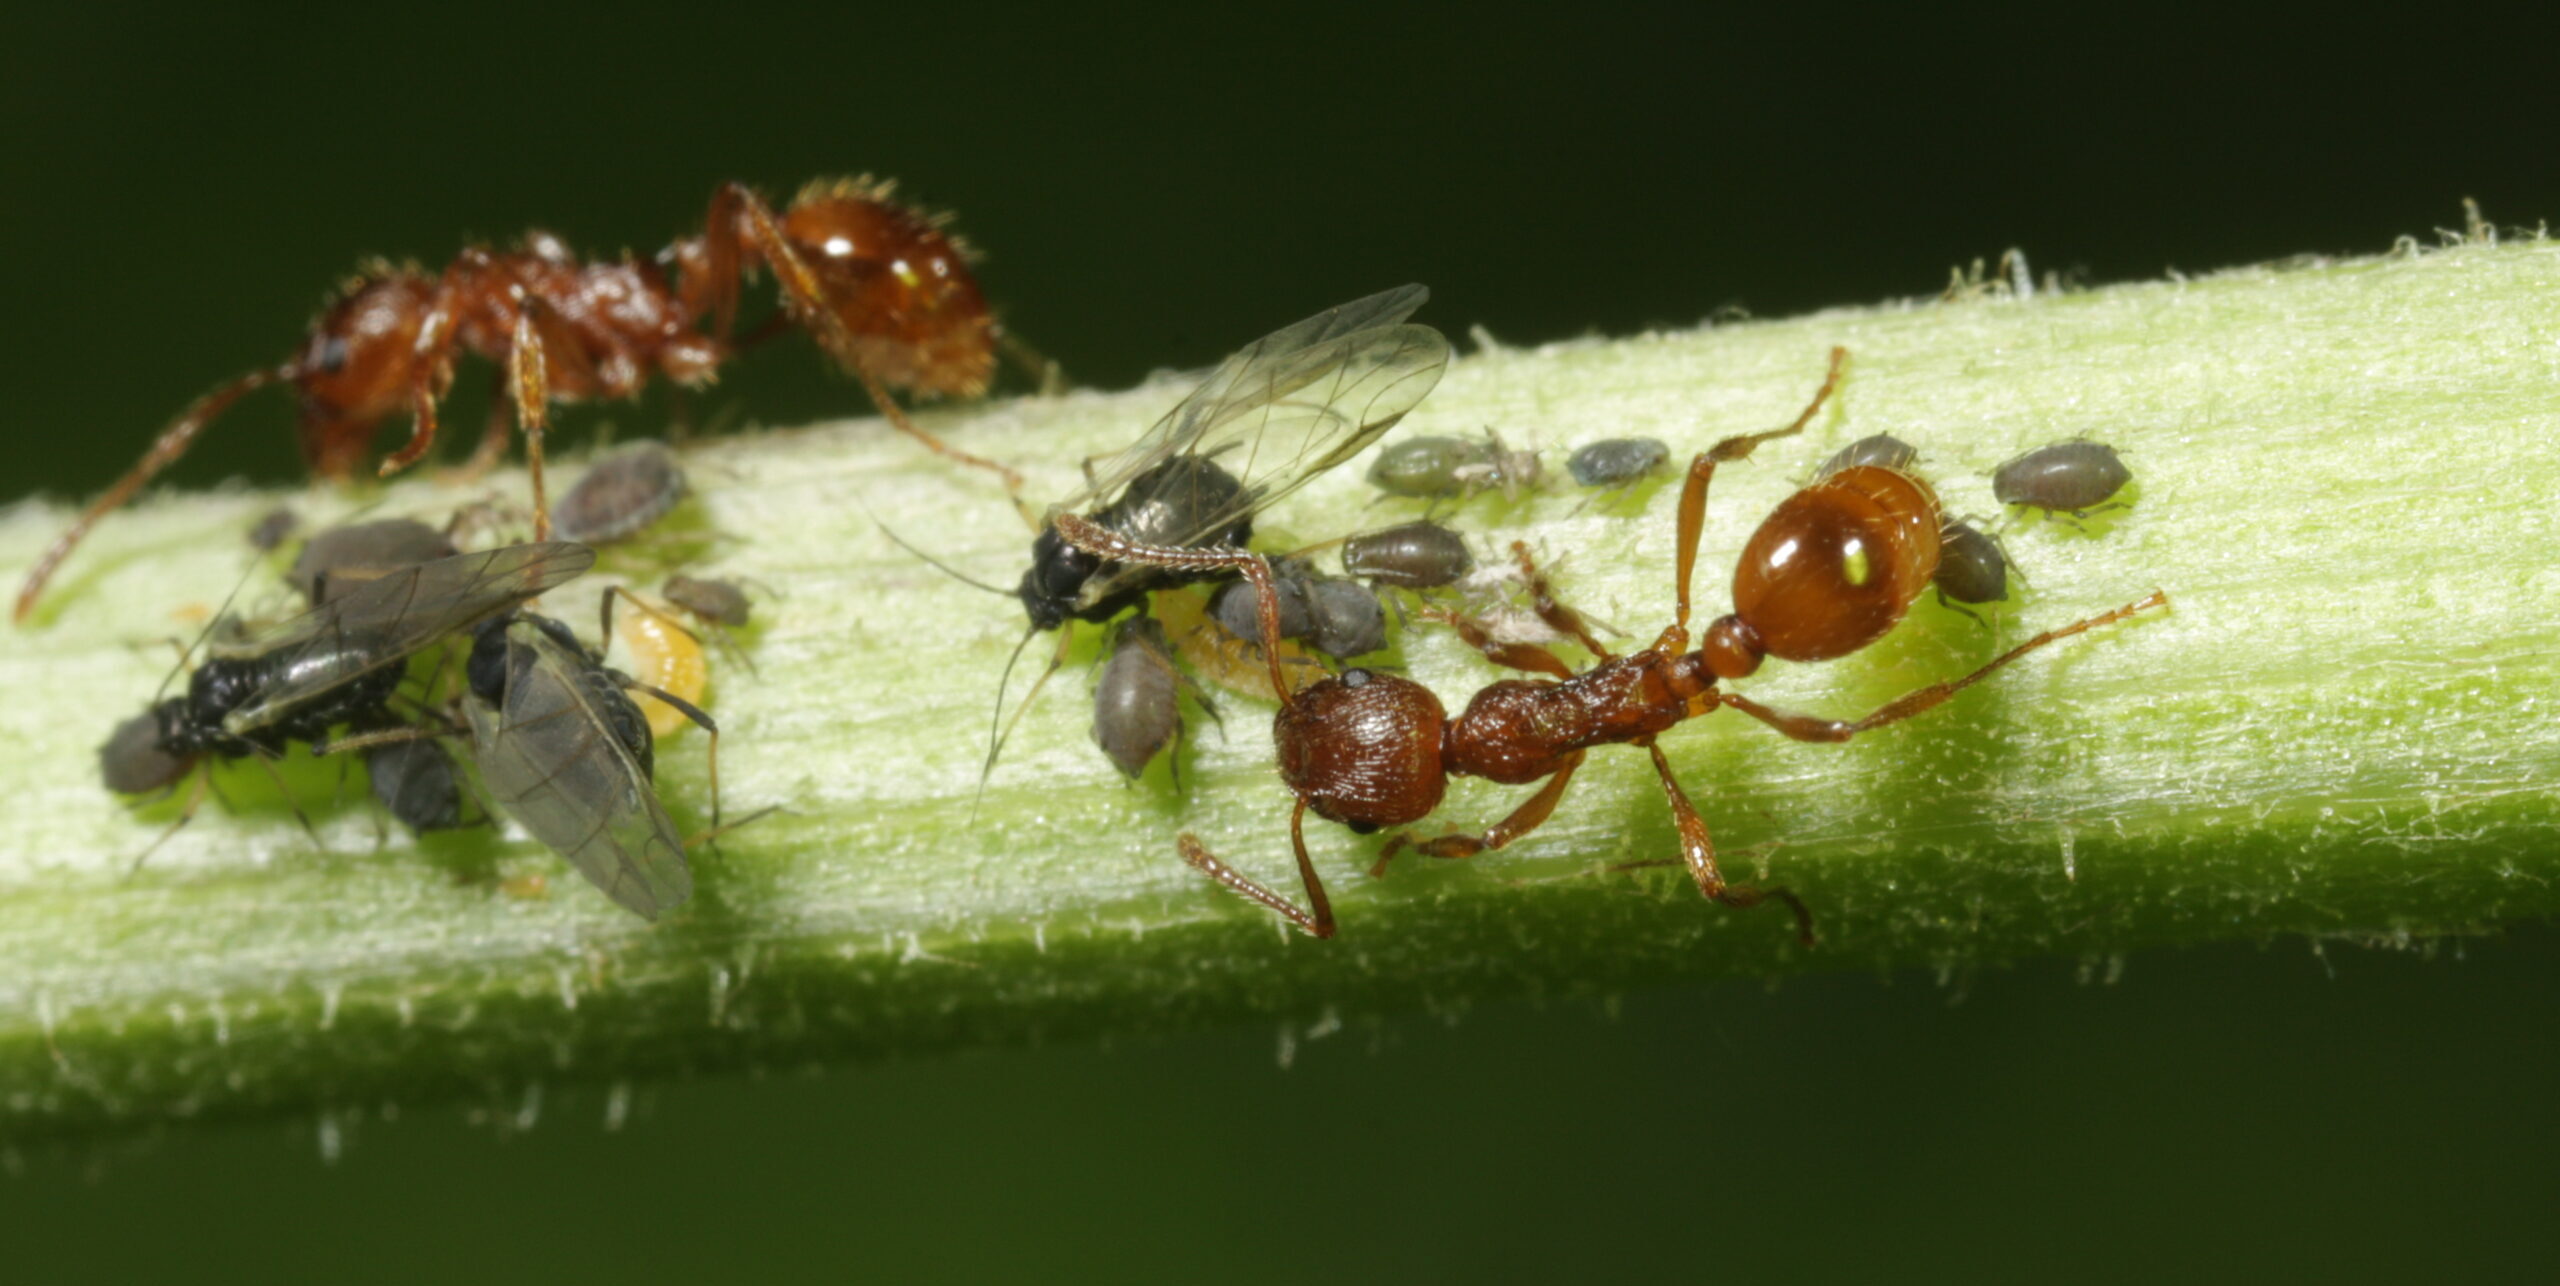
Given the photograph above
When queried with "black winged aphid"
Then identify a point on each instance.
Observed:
(336, 665)
(1270, 418)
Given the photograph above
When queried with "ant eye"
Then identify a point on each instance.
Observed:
(333, 355)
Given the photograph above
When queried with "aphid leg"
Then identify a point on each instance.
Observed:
(1552, 610)
(1524, 819)
(701, 720)
(172, 443)
(289, 801)
(1698, 852)
(1808, 728)
(706, 837)
(805, 295)
(1319, 924)
(494, 433)
(186, 814)
(1954, 606)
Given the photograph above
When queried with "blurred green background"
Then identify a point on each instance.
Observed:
(1154, 188)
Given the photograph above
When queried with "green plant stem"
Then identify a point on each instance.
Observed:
(2343, 726)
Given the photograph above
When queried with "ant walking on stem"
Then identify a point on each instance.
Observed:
(884, 289)
(1828, 573)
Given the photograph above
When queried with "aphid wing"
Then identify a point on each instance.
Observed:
(554, 764)
(1217, 398)
(383, 621)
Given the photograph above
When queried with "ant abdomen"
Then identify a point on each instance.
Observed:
(1363, 748)
(1837, 564)
(900, 286)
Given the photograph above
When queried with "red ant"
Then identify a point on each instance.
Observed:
(883, 288)
(1829, 572)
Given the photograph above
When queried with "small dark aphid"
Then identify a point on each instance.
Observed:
(1337, 617)
(417, 781)
(1233, 606)
(2076, 478)
(1438, 467)
(1618, 462)
(1972, 568)
(620, 494)
(1413, 555)
(341, 558)
(1349, 621)
(717, 601)
(338, 663)
(1137, 702)
(272, 530)
(568, 754)
(1880, 450)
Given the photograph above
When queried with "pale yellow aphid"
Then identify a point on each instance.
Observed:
(664, 656)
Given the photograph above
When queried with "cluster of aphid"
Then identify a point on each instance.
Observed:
(1159, 541)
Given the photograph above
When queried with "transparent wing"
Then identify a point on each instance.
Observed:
(1287, 407)
(552, 762)
(383, 621)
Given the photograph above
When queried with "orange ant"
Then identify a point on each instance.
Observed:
(1828, 573)
(883, 288)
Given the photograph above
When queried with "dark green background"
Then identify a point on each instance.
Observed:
(1153, 190)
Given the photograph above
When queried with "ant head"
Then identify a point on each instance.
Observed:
(1364, 749)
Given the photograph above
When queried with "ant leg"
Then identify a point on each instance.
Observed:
(1542, 596)
(1526, 657)
(1698, 852)
(172, 443)
(1042, 369)
(1807, 728)
(1693, 497)
(493, 439)
(1524, 819)
(430, 369)
(806, 296)
(1092, 538)
(528, 376)
(1319, 924)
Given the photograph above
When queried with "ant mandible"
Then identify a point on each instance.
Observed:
(882, 287)
(1829, 572)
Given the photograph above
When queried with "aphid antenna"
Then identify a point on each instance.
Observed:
(931, 561)
(999, 728)
(187, 653)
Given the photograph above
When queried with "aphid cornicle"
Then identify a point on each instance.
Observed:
(1373, 750)
(568, 754)
(2078, 478)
